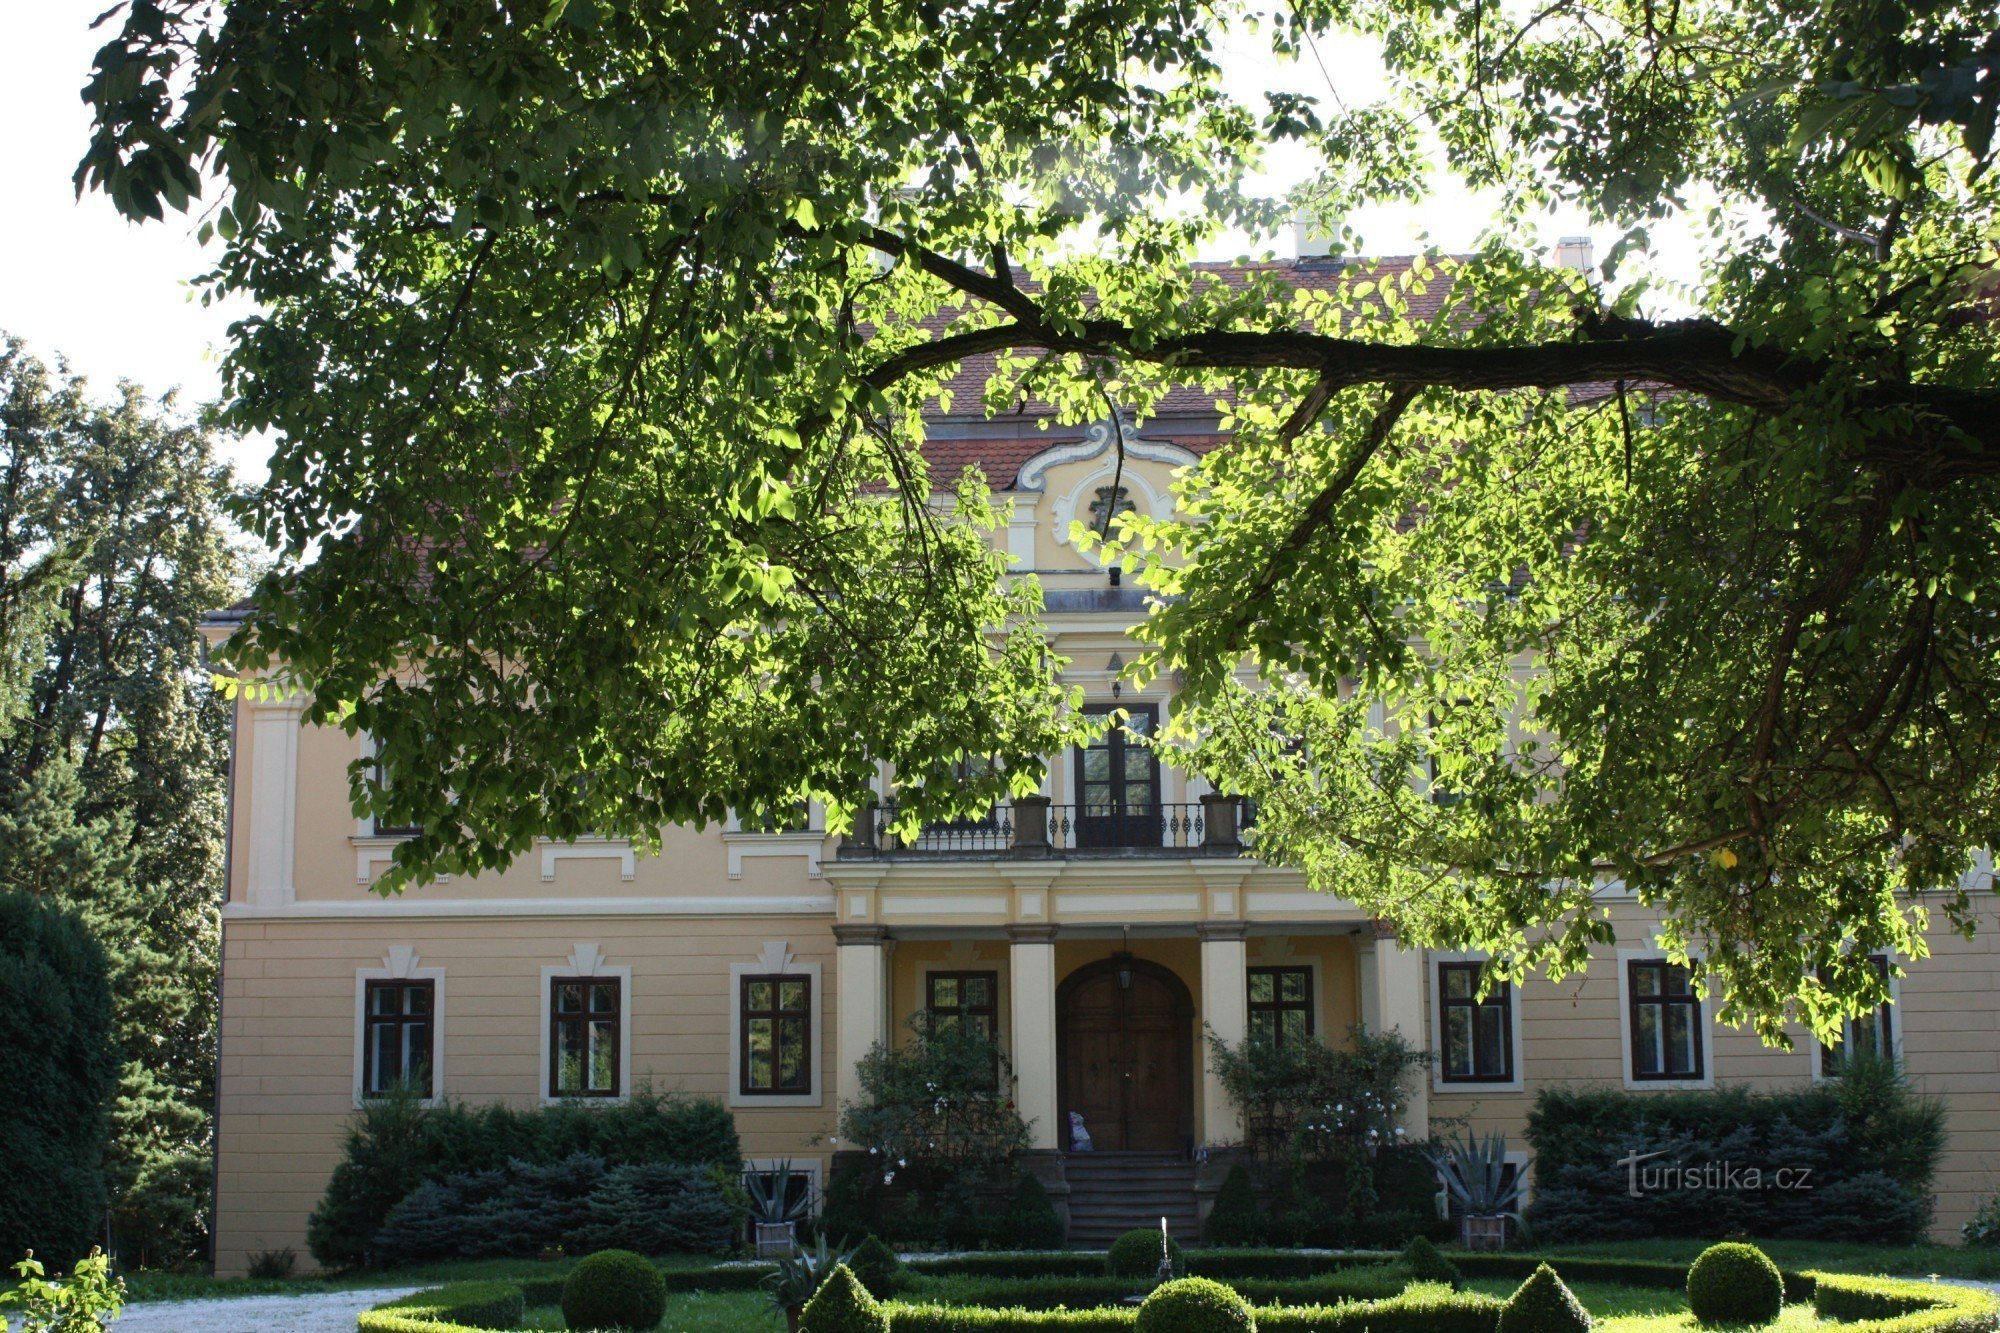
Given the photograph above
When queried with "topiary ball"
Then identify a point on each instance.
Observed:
(1137, 1254)
(876, 1265)
(1543, 1304)
(1427, 1264)
(1734, 1283)
(842, 1305)
(614, 1289)
(1195, 1305)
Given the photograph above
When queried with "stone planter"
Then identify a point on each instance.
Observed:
(1483, 1233)
(776, 1240)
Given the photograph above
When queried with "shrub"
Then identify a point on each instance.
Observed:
(465, 1304)
(842, 1305)
(1195, 1305)
(88, 1301)
(1915, 1307)
(1235, 1218)
(1543, 1304)
(1734, 1284)
(1137, 1254)
(274, 1265)
(876, 1266)
(56, 1038)
(661, 1208)
(614, 1289)
(396, 1144)
(1032, 1220)
(1984, 1228)
(1427, 1264)
(1377, 1282)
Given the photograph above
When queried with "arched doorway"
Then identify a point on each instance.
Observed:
(1125, 1048)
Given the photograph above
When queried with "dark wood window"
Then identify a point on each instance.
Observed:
(387, 830)
(965, 1002)
(1666, 1020)
(1281, 1003)
(777, 1035)
(1873, 1031)
(584, 1025)
(970, 769)
(398, 1019)
(1478, 1034)
(1118, 782)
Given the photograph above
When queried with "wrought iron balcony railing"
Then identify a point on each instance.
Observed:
(1033, 827)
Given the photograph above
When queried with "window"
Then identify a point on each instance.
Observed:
(383, 830)
(1665, 1020)
(1281, 1000)
(397, 1018)
(584, 1023)
(964, 1001)
(970, 769)
(777, 1035)
(1872, 1032)
(1118, 782)
(1477, 1035)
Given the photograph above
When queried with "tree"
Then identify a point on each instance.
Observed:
(596, 336)
(112, 768)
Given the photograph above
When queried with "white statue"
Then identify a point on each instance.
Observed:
(1079, 1137)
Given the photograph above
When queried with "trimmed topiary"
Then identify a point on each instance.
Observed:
(1032, 1220)
(1137, 1254)
(1195, 1305)
(1235, 1219)
(1427, 1264)
(1543, 1304)
(842, 1305)
(1733, 1283)
(614, 1289)
(876, 1265)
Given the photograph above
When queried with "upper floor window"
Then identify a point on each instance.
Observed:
(1873, 1032)
(1118, 782)
(397, 1019)
(777, 1035)
(585, 1018)
(1478, 1034)
(1281, 1003)
(1665, 1020)
(387, 830)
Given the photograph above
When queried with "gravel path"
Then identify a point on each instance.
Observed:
(326, 1312)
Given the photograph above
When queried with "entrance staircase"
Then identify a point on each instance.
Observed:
(1111, 1193)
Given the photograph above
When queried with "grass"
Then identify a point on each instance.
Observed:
(1981, 1262)
(699, 1312)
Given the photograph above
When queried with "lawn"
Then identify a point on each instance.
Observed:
(1621, 1309)
(1981, 1262)
(698, 1312)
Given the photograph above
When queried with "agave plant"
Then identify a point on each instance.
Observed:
(1475, 1171)
(771, 1201)
(800, 1274)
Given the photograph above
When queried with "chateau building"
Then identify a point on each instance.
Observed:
(1097, 930)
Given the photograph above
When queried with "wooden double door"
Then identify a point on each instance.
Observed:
(1125, 1045)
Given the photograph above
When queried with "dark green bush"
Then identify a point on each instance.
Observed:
(1543, 1304)
(614, 1289)
(1032, 1220)
(1881, 1304)
(1423, 1309)
(1870, 1143)
(1377, 1282)
(877, 1266)
(1236, 1218)
(1137, 1254)
(397, 1144)
(1194, 1305)
(60, 1062)
(661, 1208)
(1428, 1264)
(466, 1304)
(1734, 1284)
(842, 1305)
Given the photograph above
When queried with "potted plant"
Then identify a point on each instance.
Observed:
(800, 1273)
(774, 1209)
(1478, 1175)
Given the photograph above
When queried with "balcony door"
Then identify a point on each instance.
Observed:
(1118, 783)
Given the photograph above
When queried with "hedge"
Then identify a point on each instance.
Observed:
(1892, 1305)
(1376, 1282)
(1620, 1272)
(1425, 1309)
(1227, 1264)
(461, 1305)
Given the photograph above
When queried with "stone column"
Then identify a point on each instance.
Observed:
(1032, 983)
(1225, 1011)
(862, 1019)
(1399, 1007)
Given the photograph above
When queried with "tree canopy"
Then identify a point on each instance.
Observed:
(595, 335)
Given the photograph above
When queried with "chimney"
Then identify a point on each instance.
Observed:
(1576, 252)
(1316, 237)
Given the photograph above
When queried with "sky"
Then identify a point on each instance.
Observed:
(113, 297)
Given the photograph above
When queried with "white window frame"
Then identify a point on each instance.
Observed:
(587, 961)
(776, 961)
(1626, 957)
(364, 975)
(1816, 1048)
(809, 842)
(809, 1167)
(1435, 990)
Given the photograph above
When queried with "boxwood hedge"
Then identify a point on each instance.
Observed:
(1892, 1305)
(460, 1305)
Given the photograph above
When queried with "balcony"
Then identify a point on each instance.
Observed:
(1032, 827)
